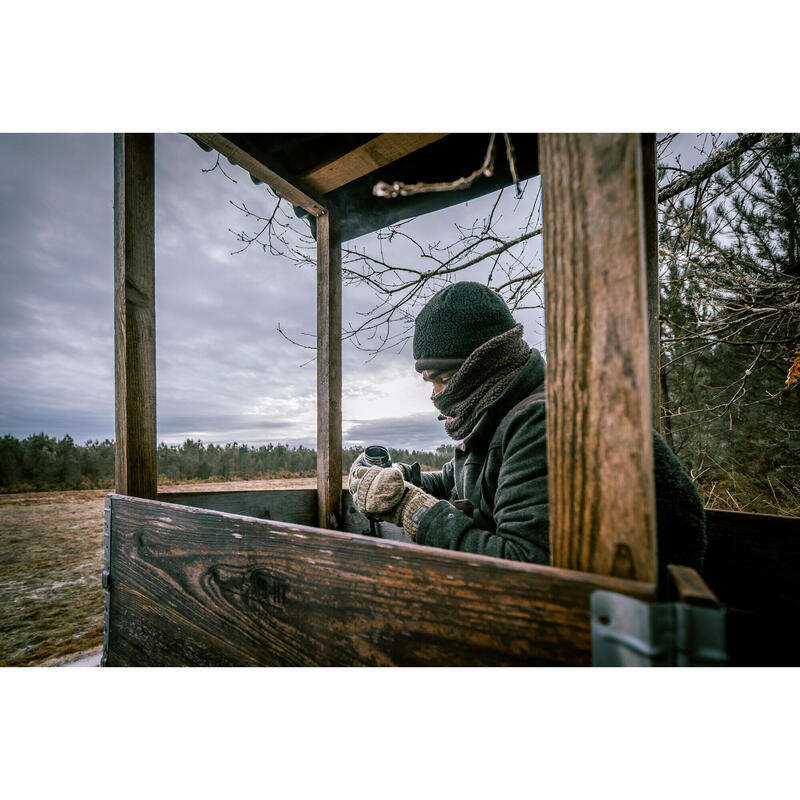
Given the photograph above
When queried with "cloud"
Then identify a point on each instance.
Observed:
(222, 369)
(218, 351)
(23, 419)
(417, 431)
(235, 425)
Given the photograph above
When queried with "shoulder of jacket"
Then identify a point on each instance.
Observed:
(537, 396)
(521, 415)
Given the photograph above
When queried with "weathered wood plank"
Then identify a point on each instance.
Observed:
(602, 515)
(650, 212)
(198, 587)
(753, 560)
(288, 187)
(688, 587)
(134, 314)
(329, 371)
(284, 505)
(753, 565)
(378, 152)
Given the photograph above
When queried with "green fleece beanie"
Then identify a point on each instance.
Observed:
(457, 320)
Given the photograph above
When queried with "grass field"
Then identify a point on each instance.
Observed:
(51, 561)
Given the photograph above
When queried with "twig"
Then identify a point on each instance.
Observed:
(738, 507)
(218, 166)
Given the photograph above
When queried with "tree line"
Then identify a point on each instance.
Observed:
(45, 463)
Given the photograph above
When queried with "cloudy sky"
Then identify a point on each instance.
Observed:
(224, 373)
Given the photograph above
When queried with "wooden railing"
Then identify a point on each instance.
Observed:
(196, 587)
(194, 583)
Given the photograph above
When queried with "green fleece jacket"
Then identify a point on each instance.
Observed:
(500, 470)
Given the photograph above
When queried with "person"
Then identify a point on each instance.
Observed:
(491, 498)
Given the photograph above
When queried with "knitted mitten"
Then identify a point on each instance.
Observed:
(376, 490)
(411, 509)
(383, 493)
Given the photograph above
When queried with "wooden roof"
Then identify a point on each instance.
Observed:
(315, 171)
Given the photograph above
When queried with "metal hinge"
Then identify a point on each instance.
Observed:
(106, 578)
(629, 633)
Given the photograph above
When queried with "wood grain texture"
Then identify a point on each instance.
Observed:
(135, 314)
(198, 587)
(599, 442)
(650, 211)
(286, 186)
(329, 371)
(378, 152)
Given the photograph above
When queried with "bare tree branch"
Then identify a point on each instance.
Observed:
(714, 163)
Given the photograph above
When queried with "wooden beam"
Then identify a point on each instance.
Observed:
(599, 440)
(135, 315)
(650, 204)
(195, 587)
(285, 186)
(378, 152)
(329, 371)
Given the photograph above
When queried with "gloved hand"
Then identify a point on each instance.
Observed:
(384, 494)
(376, 490)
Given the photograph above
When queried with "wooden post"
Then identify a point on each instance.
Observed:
(134, 315)
(650, 198)
(329, 371)
(600, 452)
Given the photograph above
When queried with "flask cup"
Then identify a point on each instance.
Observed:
(376, 455)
